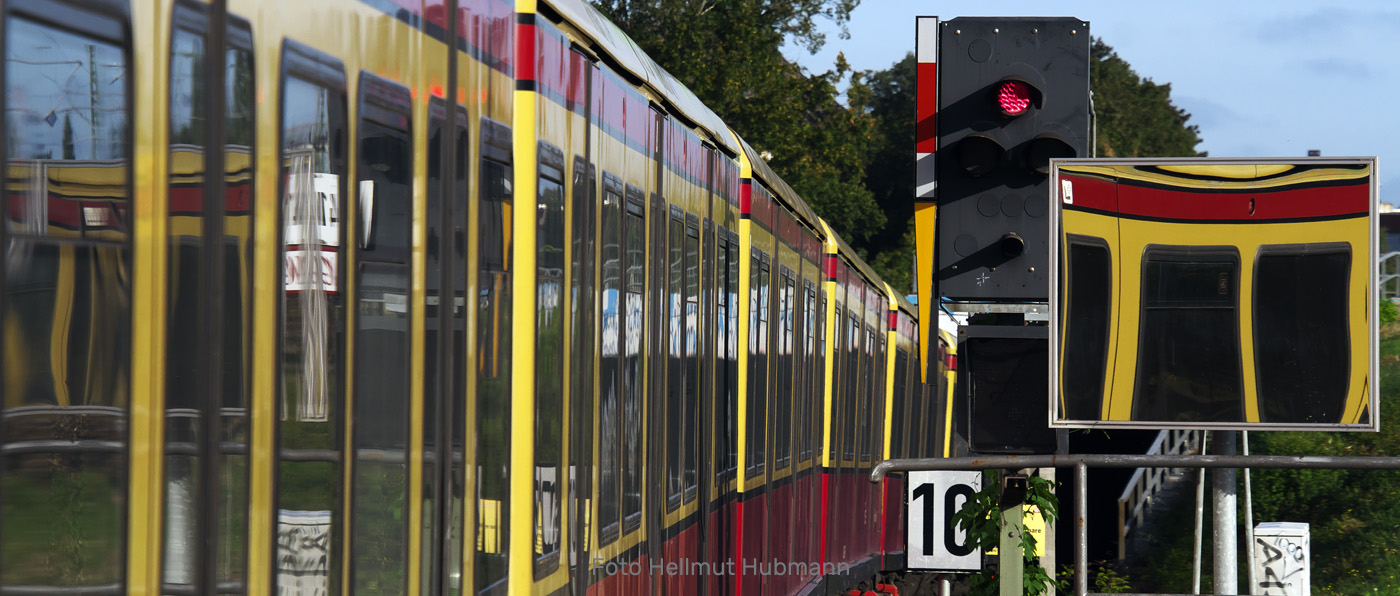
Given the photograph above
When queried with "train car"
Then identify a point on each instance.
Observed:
(420, 297)
(1216, 293)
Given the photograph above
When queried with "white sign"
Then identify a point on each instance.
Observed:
(934, 544)
(1281, 556)
(301, 270)
(303, 552)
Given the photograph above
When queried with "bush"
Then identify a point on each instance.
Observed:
(1389, 312)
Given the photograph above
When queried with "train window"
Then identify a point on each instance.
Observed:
(782, 397)
(723, 427)
(692, 356)
(583, 348)
(549, 357)
(674, 339)
(609, 368)
(1189, 327)
(819, 379)
(802, 386)
(66, 318)
(732, 387)
(192, 225)
(836, 425)
(1088, 289)
(379, 538)
(879, 366)
(455, 249)
(870, 421)
(634, 234)
(1301, 335)
(310, 431)
(240, 122)
(436, 324)
(806, 388)
(583, 319)
(496, 202)
(848, 389)
(758, 370)
(898, 415)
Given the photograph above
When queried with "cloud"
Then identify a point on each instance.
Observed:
(1337, 67)
(1323, 25)
(1209, 113)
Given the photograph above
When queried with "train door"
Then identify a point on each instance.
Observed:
(66, 290)
(445, 348)
(208, 325)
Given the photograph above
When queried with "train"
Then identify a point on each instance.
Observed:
(424, 297)
(1217, 293)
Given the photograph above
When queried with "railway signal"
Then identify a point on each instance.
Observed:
(1013, 94)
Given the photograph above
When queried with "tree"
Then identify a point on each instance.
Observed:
(890, 173)
(730, 54)
(1136, 117)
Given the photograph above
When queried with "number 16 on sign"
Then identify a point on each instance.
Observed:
(935, 544)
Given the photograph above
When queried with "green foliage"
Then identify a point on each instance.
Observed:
(1105, 578)
(980, 517)
(1353, 515)
(853, 163)
(1388, 312)
(730, 54)
(1136, 117)
(890, 173)
(1108, 581)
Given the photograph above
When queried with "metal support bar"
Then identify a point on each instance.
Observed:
(1013, 562)
(1083, 462)
(1081, 528)
(1100, 460)
(1248, 517)
(1222, 487)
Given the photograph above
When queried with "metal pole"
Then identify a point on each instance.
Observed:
(1081, 529)
(1222, 481)
(1248, 519)
(1047, 557)
(1099, 460)
(1200, 517)
(945, 587)
(1011, 575)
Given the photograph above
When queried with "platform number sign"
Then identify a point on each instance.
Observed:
(934, 544)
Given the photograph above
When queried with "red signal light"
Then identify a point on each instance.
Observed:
(1013, 97)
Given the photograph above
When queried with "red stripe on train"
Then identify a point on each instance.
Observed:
(1151, 202)
(525, 51)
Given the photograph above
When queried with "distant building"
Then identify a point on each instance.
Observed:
(1390, 228)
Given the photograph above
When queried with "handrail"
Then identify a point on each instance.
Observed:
(1083, 462)
(1146, 483)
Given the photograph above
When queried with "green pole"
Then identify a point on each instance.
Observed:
(1011, 571)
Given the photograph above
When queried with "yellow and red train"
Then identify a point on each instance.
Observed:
(423, 297)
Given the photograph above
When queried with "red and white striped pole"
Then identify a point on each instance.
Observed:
(925, 185)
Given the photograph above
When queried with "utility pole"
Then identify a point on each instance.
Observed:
(1223, 498)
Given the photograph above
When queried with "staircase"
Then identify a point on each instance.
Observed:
(1149, 486)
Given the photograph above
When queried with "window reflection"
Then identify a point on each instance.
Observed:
(549, 352)
(309, 480)
(493, 376)
(67, 303)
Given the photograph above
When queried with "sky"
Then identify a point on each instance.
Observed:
(1261, 78)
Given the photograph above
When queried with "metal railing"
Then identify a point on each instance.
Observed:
(1082, 463)
(1389, 280)
(1142, 489)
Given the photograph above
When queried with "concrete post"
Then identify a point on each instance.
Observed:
(1012, 562)
(1223, 499)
